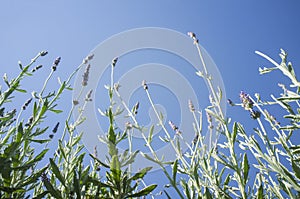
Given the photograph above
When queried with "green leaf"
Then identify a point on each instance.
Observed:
(76, 185)
(11, 149)
(296, 169)
(245, 167)
(115, 168)
(175, 167)
(149, 158)
(56, 172)
(62, 87)
(44, 108)
(140, 174)
(234, 132)
(259, 194)
(20, 132)
(99, 161)
(76, 139)
(207, 194)
(40, 141)
(295, 149)
(226, 182)
(266, 70)
(54, 192)
(21, 90)
(41, 195)
(62, 149)
(35, 110)
(186, 188)
(56, 111)
(150, 134)
(144, 191)
(33, 177)
(31, 162)
(131, 158)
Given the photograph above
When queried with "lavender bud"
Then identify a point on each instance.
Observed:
(57, 60)
(75, 102)
(44, 177)
(255, 114)
(128, 126)
(191, 106)
(95, 152)
(90, 57)
(174, 127)
(89, 96)
(55, 63)
(38, 67)
(86, 75)
(144, 84)
(43, 53)
(192, 35)
(85, 61)
(230, 102)
(209, 120)
(114, 62)
(117, 86)
(26, 104)
(55, 128)
(135, 108)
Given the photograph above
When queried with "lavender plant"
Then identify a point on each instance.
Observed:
(19, 158)
(222, 170)
(24, 147)
(263, 163)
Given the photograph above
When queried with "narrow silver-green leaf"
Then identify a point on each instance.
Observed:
(57, 172)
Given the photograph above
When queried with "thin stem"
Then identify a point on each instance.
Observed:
(112, 77)
(45, 83)
(130, 146)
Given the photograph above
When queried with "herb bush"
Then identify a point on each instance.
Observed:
(27, 170)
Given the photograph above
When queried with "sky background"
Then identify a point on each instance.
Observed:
(229, 30)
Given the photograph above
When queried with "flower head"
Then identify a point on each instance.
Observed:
(86, 75)
(55, 63)
(247, 103)
(114, 62)
(191, 106)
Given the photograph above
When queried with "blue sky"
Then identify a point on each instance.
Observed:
(229, 30)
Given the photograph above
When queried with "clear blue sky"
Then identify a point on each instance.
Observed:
(229, 30)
